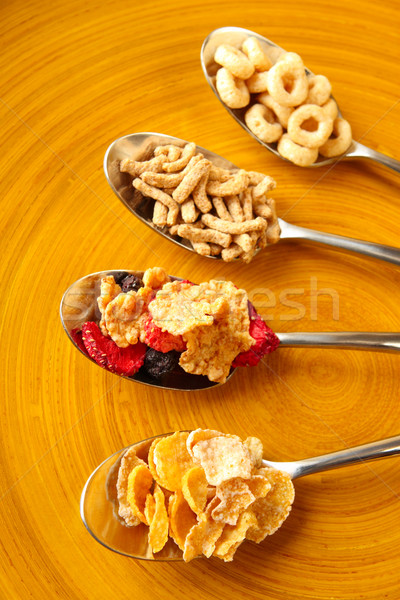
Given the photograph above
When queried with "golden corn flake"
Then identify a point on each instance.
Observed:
(203, 434)
(158, 531)
(149, 508)
(233, 535)
(204, 535)
(195, 489)
(128, 463)
(140, 481)
(256, 450)
(235, 496)
(172, 460)
(222, 458)
(181, 518)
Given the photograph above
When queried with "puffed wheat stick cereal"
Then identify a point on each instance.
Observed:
(219, 174)
(234, 228)
(170, 150)
(234, 185)
(234, 208)
(173, 214)
(204, 235)
(247, 204)
(261, 209)
(265, 185)
(155, 193)
(221, 209)
(188, 211)
(135, 167)
(244, 241)
(160, 214)
(215, 249)
(229, 254)
(200, 197)
(202, 248)
(273, 233)
(169, 180)
(187, 153)
(191, 179)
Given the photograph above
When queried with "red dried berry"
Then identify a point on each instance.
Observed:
(266, 342)
(162, 340)
(76, 335)
(106, 353)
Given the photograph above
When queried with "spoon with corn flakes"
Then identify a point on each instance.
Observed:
(200, 493)
(170, 333)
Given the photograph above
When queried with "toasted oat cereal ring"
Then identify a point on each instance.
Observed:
(261, 121)
(299, 155)
(233, 91)
(330, 109)
(319, 90)
(340, 142)
(234, 60)
(256, 55)
(282, 112)
(287, 80)
(309, 126)
(258, 82)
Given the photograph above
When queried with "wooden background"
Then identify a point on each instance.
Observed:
(74, 77)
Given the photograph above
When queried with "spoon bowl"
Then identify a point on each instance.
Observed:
(99, 504)
(235, 36)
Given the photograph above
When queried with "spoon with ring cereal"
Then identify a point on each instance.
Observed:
(79, 304)
(99, 503)
(140, 146)
(235, 36)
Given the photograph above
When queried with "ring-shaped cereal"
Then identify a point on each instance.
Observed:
(256, 55)
(234, 60)
(330, 108)
(233, 91)
(258, 82)
(341, 142)
(309, 138)
(319, 90)
(299, 155)
(282, 112)
(261, 121)
(287, 80)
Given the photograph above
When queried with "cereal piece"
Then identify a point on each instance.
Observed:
(170, 150)
(215, 249)
(187, 153)
(234, 208)
(198, 435)
(330, 109)
(219, 174)
(255, 177)
(236, 184)
(181, 518)
(256, 55)
(309, 126)
(155, 277)
(202, 248)
(194, 488)
(299, 155)
(319, 90)
(233, 92)
(256, 450)
(340, 142)
(233, 535)
(261, 209)
(188, 211)
(259, 485)
(123, 316)
(234, 228)
(272, 510)
(247, 204)
(160, 212)
(258, 82)
(282, 113)
(262, 122)
(211, 455)
(273, 233)
(150, 457)
(140, 481)
(200, 197)
(173, 214)
(190, 180)
(229, 254)
(204, 535)
(135, 168)
(234, 60)
(287, 80)
(167, 181)
(108, 291)
(152, 192)
(263, 187)
(158, 531)
(149, 508)
(235, 497)
(172, 460)
(221, 209)
(128, 462)
(244, 241)
(195, 234)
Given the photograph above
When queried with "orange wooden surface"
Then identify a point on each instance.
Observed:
(74, 77)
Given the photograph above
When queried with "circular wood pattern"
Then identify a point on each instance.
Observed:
(74, 77)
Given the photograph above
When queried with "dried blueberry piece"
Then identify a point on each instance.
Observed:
(128, 282)
(158, 364)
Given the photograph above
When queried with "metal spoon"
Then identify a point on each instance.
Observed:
(79, 304)
(236, 36)
(140, 146)
(99, 503)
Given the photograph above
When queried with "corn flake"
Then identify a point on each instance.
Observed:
(222, 458)
(195, 489)
(140, 481)
(128, 462)
(158, 532)
(235, 496)
(172, 460)
(181, 518)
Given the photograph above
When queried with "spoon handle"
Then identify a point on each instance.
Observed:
(360, 151)
(342, 458)
(294, 232)
(384, 342)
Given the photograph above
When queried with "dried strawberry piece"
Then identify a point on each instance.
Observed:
(266, 341)
(162, 340)
(106, 353)
(76, 335)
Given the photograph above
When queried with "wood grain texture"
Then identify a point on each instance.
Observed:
(74, 77)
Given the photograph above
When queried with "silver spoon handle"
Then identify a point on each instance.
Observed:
(342, 458)
(294, 232)
(360, 151)
(385, 342)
